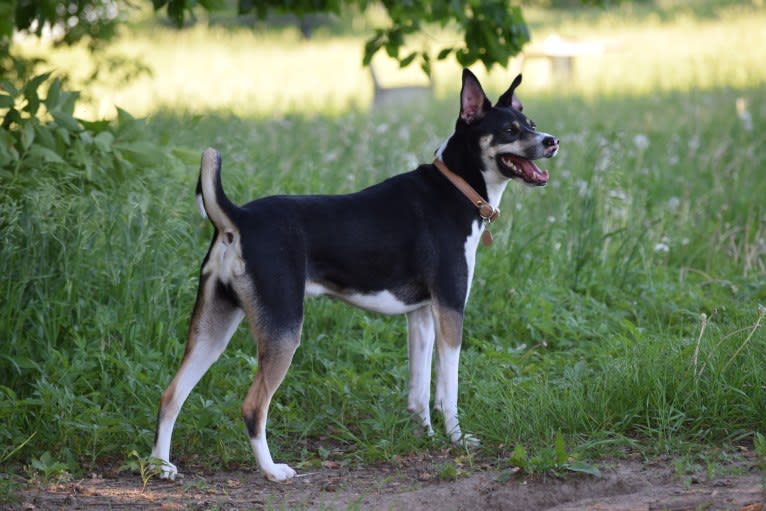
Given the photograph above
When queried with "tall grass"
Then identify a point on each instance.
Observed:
(586, 315)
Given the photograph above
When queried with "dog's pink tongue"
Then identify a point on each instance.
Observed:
(532, 173)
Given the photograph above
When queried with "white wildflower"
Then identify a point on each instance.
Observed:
(617, 194)
(582, 187)
(744, 115)
(605, 161)
(694, 143)
(641, 142)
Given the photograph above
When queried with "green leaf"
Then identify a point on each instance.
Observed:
(44, 137)
(185, 154)
(444, 53)
(123, 116)
(6, 19)
(372, 46)
(66, 102)
(505, 476)
(104, 141)
(426, 67)
(30, 93)
(63, 135)
(30, 88)
(583, 468)
(13, 116)
(519, 457)
(406, 61)
(54, 94)
(95, 126)
(6, 101)
(66, 121)
(45, 154)
(8, 150)
(9, 88)
(141, 153)
(27, 134)
(560, 448)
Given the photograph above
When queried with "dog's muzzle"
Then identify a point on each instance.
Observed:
(523, 169)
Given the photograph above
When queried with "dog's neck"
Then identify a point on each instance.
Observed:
(488, 182)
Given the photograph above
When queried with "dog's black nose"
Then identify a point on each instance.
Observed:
(550, 141)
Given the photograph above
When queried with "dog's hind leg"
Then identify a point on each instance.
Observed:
(449, 326)
(213, 322)
(275, 353)
(420, 340)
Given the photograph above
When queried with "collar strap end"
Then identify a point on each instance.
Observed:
(487, 211)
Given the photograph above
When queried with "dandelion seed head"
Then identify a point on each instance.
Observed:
(641, 142)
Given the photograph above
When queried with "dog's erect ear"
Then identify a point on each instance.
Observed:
(473, 102)
(509, 99)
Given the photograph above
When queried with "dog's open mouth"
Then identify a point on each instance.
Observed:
(523, 169)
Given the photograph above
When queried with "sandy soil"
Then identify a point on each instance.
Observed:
(420, 483)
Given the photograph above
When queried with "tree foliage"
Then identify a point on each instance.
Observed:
(493, 30)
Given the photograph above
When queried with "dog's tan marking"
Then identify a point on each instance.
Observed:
(449, 326)
(449, 333)
(274, 358)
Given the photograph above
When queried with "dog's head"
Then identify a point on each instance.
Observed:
(507, 140)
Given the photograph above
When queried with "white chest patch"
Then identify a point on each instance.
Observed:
(470, 246)
(384, 302)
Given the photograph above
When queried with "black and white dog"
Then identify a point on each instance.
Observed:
(404, 246)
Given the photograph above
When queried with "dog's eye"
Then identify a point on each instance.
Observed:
(512, 129)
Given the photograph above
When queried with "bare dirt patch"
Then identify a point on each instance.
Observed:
(420, 483)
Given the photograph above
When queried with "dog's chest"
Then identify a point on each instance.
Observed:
(470, 247)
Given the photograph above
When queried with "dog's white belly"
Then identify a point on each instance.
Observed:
(384, 301)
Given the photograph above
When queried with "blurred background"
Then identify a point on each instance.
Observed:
(249, 66)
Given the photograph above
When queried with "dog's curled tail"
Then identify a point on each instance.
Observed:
(211, 199)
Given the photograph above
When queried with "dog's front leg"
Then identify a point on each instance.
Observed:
(420, 340)
(449, 332)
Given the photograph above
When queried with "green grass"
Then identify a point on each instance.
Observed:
(585, 318)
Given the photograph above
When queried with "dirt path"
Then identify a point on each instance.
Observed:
(415, 484)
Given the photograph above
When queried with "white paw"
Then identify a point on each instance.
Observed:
(466, 440)
(424, 430)
(167, 470)
(470, 441)
(278, 472)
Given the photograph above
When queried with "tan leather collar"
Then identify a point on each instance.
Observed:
(487, 211)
